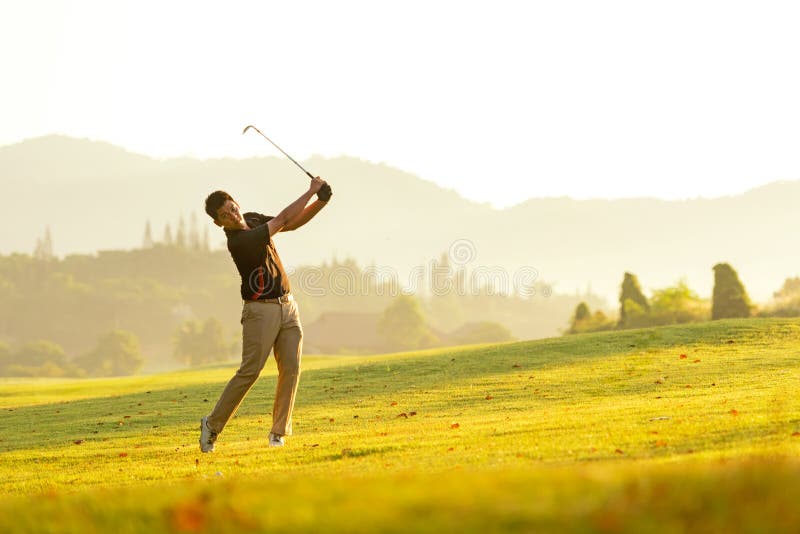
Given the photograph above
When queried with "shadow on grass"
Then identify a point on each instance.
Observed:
(357, 453)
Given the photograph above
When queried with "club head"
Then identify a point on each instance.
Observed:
(247, 128)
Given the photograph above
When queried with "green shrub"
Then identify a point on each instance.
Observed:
(785, 301)
(677, 305)
(584, 321)
(403, 326)
(117, 353)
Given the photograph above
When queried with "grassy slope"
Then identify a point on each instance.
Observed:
(589, 429)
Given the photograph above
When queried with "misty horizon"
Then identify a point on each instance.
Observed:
(309, 159)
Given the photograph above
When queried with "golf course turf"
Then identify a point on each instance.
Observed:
(665, 429)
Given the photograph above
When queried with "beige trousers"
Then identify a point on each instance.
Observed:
(265, 325)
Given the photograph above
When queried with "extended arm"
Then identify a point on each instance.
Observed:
(293, 210)
(306, 215)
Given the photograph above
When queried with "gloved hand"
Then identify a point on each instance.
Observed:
(325, 193)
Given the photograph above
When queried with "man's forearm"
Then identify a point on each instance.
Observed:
(306, 215)
(294, 209)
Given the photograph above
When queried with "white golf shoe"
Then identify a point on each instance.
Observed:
(207, 436)
(276, 440)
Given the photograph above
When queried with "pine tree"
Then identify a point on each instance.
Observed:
(581, 316)
(168, 235)
(44, 246)
(180, 235)
(631, 291)
(582, 312)
(730, 297)
(48, 244)
(194, 234)
(147, 240)
(206, 240)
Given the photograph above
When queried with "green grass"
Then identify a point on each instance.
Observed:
(596, 432)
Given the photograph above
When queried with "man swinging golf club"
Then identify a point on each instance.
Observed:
(270, 318)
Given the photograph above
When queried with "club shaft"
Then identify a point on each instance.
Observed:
(279, 148)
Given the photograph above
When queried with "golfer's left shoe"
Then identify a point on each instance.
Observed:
(207, 436)
(276, 440)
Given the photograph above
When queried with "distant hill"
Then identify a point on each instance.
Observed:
(94, 195)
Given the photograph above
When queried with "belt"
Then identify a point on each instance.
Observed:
(283, 299)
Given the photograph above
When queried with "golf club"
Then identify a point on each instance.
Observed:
(276, 146)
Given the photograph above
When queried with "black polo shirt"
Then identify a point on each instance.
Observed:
(255, 257)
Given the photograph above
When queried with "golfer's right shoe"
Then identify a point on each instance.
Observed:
(207, 436)
(275, 440)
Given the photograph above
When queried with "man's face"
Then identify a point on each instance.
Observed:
(228, 215)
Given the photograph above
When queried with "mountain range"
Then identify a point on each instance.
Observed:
(95, 196)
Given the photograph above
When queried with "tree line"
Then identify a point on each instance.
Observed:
(679, 304)
(181, 304)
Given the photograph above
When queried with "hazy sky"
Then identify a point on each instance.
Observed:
(498, 100)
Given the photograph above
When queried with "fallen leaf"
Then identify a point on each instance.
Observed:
(688, 386)
(683, 356)
(516, 366)
(455, 425)
(126, 416)
(661, 443)
(658, 381)
(355, 417)
(618, 451)
(795, 434)
(394, 403)
(450, 449)
(78, 441)
(734, 412)
(592, 449)
(330, 420)
(696, 361)
(411, 414)
(188, 517)
(403, 415)
(489, 397)
(123, 455)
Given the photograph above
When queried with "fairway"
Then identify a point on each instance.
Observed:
(663, 430)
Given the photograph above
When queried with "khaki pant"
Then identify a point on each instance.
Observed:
(265, 325)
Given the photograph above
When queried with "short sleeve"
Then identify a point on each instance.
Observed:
(258, 235)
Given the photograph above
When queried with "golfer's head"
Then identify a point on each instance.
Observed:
(221, 207)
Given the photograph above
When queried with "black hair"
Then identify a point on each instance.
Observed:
(215, 201)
